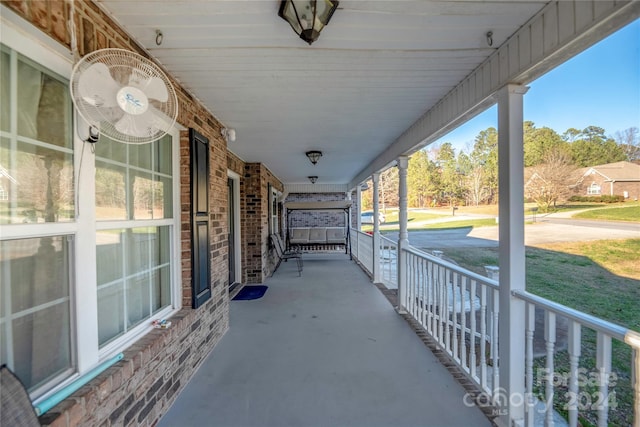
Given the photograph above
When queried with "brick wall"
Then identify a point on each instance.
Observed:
(632, 189)
(257, 254)
(316, 218)
(141, 387)
(619, 187)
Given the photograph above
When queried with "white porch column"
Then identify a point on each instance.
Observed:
(349, 195)
(359, 209)
(403, 239)
(376, 229)
(511, 325)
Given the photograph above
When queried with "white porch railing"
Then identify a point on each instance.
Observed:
(388, 255)
(459, 309)
(587, 387)
(362, 249)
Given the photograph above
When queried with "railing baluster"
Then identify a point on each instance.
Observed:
(447, 285)
(495, 339)
(431, 322)
(550, 340)
(635, 378)
(409, 286)
(603, 364)
(483, 337)
(425, 279)
(441, 285)
(454, 316)
(574, 347)
(472, 331)
(530, 330)
(463, 323)
(416, 286)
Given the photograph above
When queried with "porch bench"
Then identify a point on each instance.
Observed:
(317, 236)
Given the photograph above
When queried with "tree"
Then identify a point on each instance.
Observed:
(629, 141)
(592, 148)
(571, 134)
(484, 159)
(538, 142)
(451, 182)
(366, 197)
(388, 188)
(550, 181)
(474, 179)
(422, 179)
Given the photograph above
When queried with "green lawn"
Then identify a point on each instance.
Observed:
(466, 223)
(623, 213)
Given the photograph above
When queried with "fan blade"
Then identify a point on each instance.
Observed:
(153, 87)
(97, 87)
(143, 125)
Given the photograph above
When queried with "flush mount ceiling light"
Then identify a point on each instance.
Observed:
(314, 156)
(307, 17)
(313, 179)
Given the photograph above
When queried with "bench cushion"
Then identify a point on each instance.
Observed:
(335, 235)
(318, 235)
(299, 236)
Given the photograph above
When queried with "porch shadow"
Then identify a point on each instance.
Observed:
(325, 349)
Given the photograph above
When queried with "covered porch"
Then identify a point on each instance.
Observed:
(326, 348)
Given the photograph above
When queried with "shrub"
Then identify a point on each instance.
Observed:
(598, 199)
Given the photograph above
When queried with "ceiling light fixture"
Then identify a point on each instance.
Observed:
(313, 179)
(314, 156)
(307, 17)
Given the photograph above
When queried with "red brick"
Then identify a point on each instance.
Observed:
(59, 20)
(39, 14)
(18, 6)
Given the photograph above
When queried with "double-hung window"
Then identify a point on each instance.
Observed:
(594, 189)
(37, 241)
(134, 209)
(88, 239)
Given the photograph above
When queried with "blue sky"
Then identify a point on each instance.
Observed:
(599, 87)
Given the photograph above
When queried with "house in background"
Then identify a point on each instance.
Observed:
(611, 179)
(79, 290)
(7, 182)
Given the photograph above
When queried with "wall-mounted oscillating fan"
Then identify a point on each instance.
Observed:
(124, 95)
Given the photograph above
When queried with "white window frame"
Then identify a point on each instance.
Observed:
(25, 39)
(237, 244)
(273, 209)
(592, 187)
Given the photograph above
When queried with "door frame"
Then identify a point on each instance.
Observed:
(237, 244)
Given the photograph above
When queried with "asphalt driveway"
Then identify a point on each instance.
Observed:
(547, 229)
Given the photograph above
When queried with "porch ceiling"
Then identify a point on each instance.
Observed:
(376, 69)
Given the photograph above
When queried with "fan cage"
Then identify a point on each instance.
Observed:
(123, 66)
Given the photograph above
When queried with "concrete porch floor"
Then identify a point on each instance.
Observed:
(324, 349)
